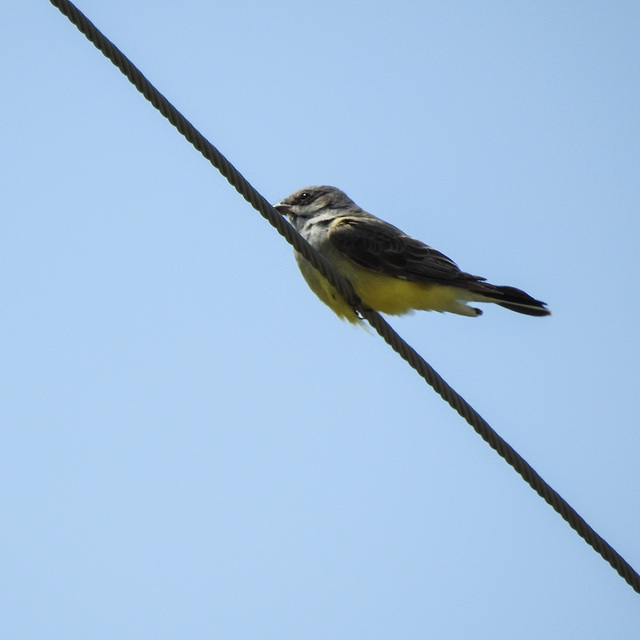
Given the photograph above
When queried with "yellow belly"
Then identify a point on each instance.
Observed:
(395, 296)
(387, 294)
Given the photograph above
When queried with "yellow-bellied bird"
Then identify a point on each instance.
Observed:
(389, 271)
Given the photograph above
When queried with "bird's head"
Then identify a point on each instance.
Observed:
(313, 201)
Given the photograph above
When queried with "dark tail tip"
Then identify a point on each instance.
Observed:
(520, 302)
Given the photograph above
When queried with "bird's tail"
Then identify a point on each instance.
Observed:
(517, 300)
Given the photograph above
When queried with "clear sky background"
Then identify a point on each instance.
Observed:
(193, 446)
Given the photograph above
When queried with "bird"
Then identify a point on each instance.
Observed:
(390, 272)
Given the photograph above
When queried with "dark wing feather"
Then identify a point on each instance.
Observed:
(379, 246)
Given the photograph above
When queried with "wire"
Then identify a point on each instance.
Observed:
(258, 202)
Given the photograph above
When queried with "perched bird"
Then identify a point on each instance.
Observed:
(389, 271)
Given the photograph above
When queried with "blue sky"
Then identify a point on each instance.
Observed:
(193, 446)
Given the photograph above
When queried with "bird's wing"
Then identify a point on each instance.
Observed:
(379, 246)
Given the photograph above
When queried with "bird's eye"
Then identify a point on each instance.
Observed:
(304, 196)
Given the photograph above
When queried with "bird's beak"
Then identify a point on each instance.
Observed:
(282, 208)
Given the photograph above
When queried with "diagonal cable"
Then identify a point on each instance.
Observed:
(258, 202)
